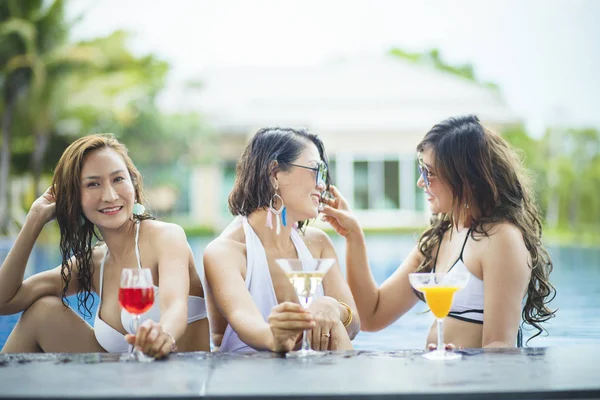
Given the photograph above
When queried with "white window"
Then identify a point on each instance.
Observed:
(376, 184)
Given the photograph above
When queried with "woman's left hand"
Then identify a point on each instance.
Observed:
(152, 339)
(325, 335)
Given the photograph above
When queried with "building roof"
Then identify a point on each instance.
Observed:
(376, 94)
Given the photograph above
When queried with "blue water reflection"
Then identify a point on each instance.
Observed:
(576, 273)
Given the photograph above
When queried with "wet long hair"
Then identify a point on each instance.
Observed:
(76, 231)
(483, 171)
(269, 150)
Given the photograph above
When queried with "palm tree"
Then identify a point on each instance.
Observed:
(17, 56)
(46, 80)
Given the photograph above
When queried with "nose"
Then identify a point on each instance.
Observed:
(321, 185)
(109, 194)
(421, 182)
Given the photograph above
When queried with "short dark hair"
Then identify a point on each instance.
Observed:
(269, 149)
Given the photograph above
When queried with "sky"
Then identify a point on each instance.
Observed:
(544, 54)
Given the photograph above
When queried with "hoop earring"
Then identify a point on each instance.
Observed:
(271, 210)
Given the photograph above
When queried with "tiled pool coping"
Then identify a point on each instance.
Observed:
(532, 373)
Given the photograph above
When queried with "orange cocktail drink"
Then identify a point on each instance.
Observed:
(439, 299)
(438, 289)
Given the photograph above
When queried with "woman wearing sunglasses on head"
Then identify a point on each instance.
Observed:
(252, 305)
(485, 224)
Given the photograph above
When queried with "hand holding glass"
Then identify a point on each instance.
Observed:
(439, 289)
(305, 277)
(136, 296)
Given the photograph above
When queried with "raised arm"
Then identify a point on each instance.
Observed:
(378, 307)
(15, 294)
(223, 265)
(506, 275)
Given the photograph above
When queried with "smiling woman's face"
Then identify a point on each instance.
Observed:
(438, 193)
(107, 192)
(299, 187)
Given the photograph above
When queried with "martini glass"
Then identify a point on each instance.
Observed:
(305, 277)
(439, 289)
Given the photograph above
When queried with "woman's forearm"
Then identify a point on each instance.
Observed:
(256, 334)
(12, 271)
(358, 273)
(174, 319)
(346, 314)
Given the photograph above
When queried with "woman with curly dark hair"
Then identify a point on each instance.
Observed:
(485, 223)
(97, 193)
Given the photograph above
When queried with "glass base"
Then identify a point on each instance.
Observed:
(305, 354)
(136, 356)
(441, 355)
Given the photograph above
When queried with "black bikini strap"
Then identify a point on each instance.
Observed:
(437, 253)
(464, 244)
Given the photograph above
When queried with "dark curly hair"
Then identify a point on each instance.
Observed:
(76, 231)
(269, 149)
(483, 171)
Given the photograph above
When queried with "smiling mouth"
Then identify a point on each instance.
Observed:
(111, 210)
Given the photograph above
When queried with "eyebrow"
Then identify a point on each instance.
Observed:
(119, 171)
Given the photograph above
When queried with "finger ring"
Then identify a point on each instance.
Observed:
(326, 334)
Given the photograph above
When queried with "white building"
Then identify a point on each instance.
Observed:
(370, 114)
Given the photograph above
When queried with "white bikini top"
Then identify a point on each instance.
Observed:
(468, 302)
(112, 340)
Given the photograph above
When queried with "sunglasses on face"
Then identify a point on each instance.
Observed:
(425, 173)
(320, 170)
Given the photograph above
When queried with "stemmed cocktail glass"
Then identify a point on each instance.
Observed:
(439, 289)
(136, 296)
(305, 277)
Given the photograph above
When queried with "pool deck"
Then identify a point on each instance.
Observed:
(530, 373)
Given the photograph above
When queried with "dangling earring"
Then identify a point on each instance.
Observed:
(138, 209)
(270, 211)
(466, 205)
(81, 220)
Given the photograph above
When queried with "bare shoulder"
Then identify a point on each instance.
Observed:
(163, 230)
(316, 236)
(504, 242)
(316, 240)
(230, 247)
(503, 234)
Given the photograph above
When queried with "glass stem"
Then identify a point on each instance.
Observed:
(440, 335)
(135, 324)
(305, 342)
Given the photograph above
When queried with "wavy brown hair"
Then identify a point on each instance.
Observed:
(483, 171)
(269, 149)
(76, 231)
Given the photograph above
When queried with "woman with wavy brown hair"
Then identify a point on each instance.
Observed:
(485, 223)
(97, 193)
